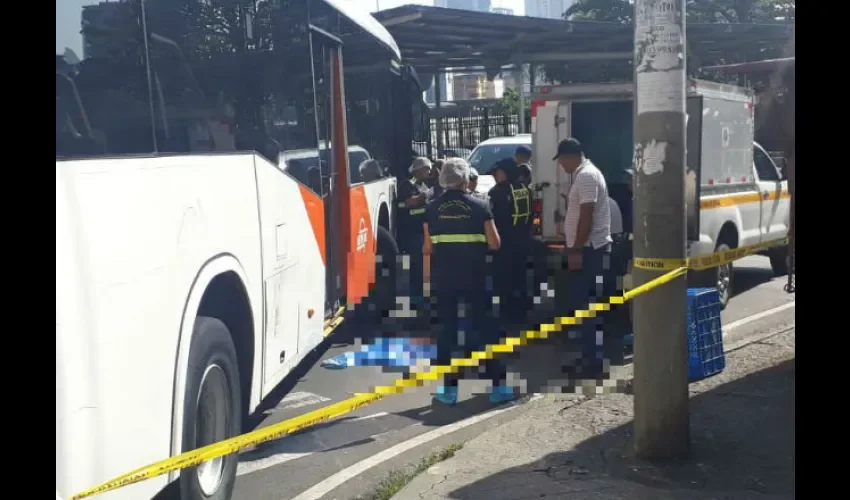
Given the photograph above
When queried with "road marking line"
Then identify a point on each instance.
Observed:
(280, 458)
(369, 417)
(299, 400)
(757, 316)
(264, 463)
(331, 483)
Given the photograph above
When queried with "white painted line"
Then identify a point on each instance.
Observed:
(299, 400)
(264, 463)
(247, 467)
(369, 417)
(755, 317)
(345, 475)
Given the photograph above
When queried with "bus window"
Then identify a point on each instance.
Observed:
(245, 88)
(101, 80)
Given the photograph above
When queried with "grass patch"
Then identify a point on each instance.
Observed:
(398, 479)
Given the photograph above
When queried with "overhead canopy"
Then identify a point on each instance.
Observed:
(432, 38)
(358, 15)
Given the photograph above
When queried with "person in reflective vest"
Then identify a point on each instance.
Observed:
(412, 199)
(510, 203)
(458, 232)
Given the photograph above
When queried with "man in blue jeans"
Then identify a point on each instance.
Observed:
(587, 229)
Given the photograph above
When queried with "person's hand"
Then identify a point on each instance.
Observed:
(574, 261)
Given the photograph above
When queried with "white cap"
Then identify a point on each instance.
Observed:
(454, 173)
(419, 163)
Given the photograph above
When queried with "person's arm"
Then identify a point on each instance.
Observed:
(427, 248)
(410, 199)
(587, 192)
(490, 231)
(492, 235)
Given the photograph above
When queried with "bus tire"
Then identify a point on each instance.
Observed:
(385, 266)
(212, 410)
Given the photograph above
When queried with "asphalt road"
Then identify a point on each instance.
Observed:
(345, 458)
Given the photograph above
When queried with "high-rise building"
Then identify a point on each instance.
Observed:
(551, 9)
(476, 5)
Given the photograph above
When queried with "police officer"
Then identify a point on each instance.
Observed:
(522, 156)
(413, 197)
(510, 203)
(458, 233)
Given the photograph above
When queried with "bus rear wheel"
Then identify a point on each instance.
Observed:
(211, 410)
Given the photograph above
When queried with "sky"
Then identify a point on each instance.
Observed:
(517, 5)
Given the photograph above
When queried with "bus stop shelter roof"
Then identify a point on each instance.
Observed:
(432, 38)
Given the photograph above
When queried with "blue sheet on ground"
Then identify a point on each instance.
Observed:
(392, 352)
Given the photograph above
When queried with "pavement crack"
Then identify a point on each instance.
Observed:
(431, 489)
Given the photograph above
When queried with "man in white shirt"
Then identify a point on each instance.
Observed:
(587, 229)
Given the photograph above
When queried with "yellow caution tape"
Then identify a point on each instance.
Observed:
(281, 429)
(705, 261)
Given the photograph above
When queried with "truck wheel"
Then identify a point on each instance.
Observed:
(212, 410)
(723, 275)
(779, 260)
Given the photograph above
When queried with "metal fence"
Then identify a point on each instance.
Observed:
(467, 130)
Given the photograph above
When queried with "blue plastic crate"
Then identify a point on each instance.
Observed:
(705, 334)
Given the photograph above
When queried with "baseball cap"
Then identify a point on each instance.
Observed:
(570, 146)
(419, 163)
(523, 150)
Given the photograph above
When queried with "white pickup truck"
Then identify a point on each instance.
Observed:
(741, 198)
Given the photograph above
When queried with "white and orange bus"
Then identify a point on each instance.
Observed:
(210, 216)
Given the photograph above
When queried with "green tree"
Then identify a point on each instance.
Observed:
(509, 103)
(698, 11)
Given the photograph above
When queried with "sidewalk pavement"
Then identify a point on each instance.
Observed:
(742, 429)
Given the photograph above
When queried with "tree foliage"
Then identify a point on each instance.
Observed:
(697, 11)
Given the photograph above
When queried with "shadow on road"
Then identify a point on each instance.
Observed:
(743, 448)
(749, 276)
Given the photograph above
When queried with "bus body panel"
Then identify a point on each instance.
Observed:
(132, 235)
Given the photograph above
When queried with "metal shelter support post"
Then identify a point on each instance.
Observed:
(521, 92)
(661, 348)
(438, 91)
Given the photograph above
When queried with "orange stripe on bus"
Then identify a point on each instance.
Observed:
(315, 208)
(360, 259)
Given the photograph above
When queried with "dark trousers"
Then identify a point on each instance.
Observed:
(459, 336)
(410, 243)
(511, 283)
(589, 285)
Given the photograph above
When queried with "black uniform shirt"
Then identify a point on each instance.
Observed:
(506, 201)
(410, 219)
(456, 225)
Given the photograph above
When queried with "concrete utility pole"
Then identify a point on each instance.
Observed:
(661, 352)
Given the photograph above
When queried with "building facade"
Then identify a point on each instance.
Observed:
(551, 9)
(475, 5)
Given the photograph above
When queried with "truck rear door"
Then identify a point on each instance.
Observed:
(545, 175)
(551, 125)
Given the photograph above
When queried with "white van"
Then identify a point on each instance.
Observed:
(742, 199)
(488, 152)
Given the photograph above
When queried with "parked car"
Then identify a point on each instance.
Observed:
(486, 154)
